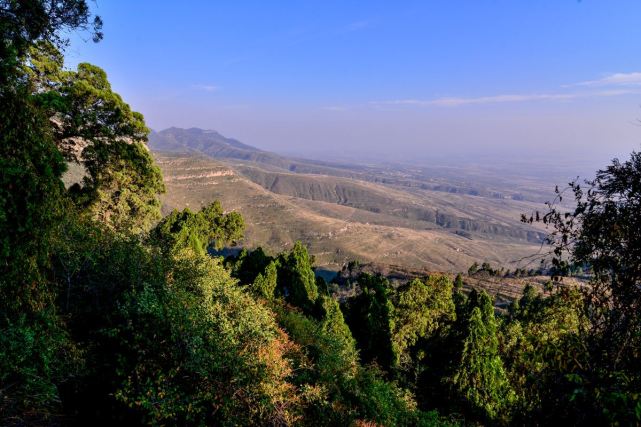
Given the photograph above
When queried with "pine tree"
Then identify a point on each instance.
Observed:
(297, 279)
(333, 324)
(370, 318)
(265, 282)
(480, 378)
(420, 308)
(458, 283)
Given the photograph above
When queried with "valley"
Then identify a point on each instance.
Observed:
(438, 218)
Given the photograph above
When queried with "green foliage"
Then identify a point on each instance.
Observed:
(122, 182)
(84, 109)
(420, 308)
(473, 269)
(42, 70)
(333, 355)
(247, 265)
(24, 23)
(322, 369)
(603, 233)
(122, 186)
(203, 351)
(171, 338)
(209, 226)
(383, 402)
(370, 317)
(333, 324)
(480, 378)
(35, 355)
(95, 127)
(30, 202)
(35, 352)
(335, 388)
(458, 283)
(93, 112)
(296, 280)
(321, 285)
(540, 345)
(265, 283)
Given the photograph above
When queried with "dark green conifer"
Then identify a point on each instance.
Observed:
(296, 278)
(480, 378)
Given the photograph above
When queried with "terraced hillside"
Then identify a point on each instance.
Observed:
(343, 218)
(423, 209)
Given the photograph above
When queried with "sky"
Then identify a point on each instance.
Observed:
(547, 81)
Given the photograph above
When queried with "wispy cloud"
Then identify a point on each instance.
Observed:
(457, 101)
(207, 88)
(334, 108)
(616, 79)
(616, 84)
(505, 98)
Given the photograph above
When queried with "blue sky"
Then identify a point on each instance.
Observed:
(398, 80)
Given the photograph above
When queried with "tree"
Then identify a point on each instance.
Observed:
(603, 231)
(370, 318)
(420, 308)
(92, 125)
(541, 346)
(34, 346)
(458, 283)
(22, 23)
(333, 323)
(296, 278)
(473, 269)
(122, 186)
(247, 265)
(32, 338)
(265, 283)
(81, 104)
(219, 355)
(328, 363)
(337, 389)
(480, 378)
(31, 201)
(209, 226)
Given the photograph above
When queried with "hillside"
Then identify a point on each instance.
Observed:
(342, 219)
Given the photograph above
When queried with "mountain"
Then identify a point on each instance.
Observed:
(212, 144)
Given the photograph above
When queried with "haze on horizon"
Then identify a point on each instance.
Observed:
(551, 82)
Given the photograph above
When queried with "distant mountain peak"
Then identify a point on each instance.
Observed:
(205, 141)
